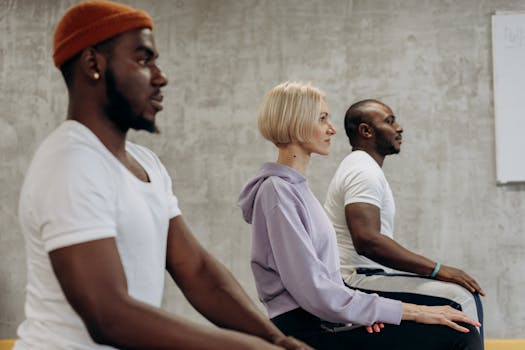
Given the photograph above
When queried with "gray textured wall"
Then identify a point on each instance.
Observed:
(430, 60)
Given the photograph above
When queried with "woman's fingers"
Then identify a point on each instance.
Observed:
(456, 326)
(375, 328)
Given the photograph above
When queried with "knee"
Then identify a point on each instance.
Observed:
(456, 293)
(470, 340)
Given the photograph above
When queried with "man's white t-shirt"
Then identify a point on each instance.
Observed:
(76, 191)
(359, 179)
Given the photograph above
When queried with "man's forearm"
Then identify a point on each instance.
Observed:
(218, 296)
(387, 252)
(134, 325)
(210, 287)
(391, 254)
(364, 223)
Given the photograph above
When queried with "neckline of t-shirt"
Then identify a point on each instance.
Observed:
(114, 159)
(144, 166)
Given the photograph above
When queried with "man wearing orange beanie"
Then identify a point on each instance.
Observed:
(100, 219)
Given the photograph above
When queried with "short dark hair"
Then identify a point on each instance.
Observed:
(355, 115)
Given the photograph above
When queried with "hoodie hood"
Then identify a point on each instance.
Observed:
(250, 190)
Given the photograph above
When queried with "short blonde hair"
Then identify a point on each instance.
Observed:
(288, 112)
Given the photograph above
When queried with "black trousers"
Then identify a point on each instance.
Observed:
(408, 335)
(416, 298)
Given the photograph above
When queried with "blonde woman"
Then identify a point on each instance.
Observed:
(295, 259)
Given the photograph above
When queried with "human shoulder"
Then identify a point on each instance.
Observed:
(360, 161)
(71, 149)
(275, 191)
(71, 162)
(359, 179)
(71, 185)
(276, 185)
(359, 166)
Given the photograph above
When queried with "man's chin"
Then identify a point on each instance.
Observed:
(142, 123)
(394, 150)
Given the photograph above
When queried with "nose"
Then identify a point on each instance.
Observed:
(399, 128)
(331, 129)
(159, 78)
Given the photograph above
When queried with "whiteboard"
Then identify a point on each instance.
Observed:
(508, 56)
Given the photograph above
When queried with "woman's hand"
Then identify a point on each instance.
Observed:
(375, 328)
(444, 315)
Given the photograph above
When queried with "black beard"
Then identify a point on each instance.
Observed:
(383, 146)
(119, 110)
(394, 150)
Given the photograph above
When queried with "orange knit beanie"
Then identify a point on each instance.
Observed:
(92, 22)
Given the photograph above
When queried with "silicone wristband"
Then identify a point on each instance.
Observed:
(436, 270)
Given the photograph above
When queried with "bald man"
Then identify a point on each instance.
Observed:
(361, 206)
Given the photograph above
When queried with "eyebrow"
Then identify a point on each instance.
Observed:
(149, 51)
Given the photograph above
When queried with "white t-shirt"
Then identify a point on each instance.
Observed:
(76, 191)
(359, 179)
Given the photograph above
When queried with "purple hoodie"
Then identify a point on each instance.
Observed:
(295, 260)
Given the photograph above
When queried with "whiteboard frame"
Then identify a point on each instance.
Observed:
(508, 58)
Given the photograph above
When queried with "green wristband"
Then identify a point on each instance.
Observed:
(436, 270)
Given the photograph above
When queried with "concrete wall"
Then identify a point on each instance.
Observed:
(430, 60)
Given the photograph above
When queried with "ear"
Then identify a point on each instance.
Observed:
(92, 63)
(365, 130)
